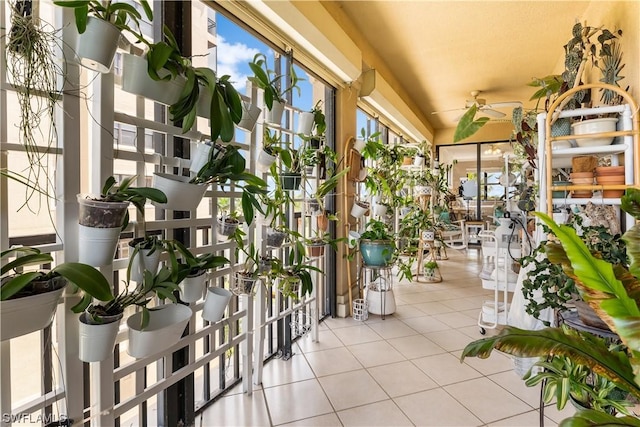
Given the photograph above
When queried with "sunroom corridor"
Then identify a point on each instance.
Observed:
(403, 370)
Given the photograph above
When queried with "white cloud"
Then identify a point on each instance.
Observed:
(233, 59)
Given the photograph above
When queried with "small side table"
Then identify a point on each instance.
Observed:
(379, 289)
(473, 229)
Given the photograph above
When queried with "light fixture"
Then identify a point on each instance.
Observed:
(493, 151)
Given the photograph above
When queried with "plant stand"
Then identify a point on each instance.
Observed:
(379, 289)
(427, 243)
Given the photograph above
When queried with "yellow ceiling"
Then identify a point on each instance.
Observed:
(439, 51)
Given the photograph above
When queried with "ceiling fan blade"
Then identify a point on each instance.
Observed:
(447, 111)
(491, 113)
(457, 119)
(508, 104)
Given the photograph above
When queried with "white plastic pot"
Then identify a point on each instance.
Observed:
(136, 80)
(142, 261)
(250, 115)
(215, 303)
(379, 209)
(97, 340)
(358, 211)
(97, 245)
(381, 302)
(181, 195)
(97, 46)
(166, 324)
(265, 160)
(199, 157)
(353, 239)
(274, 116)
(22, 316)
(305, 123)
(192, 287)
(359, 145)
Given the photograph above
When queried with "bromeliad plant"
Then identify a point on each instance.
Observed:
(613, 291)
(17, 283)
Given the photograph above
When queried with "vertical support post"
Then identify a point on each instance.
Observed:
(247, 344)
(67, 219)
(258, 334)
(5, 381)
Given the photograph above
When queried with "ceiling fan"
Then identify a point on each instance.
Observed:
(483, 107)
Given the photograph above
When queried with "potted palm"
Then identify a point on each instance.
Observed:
(100, 24)
(28, 299)
(271, 83)
(377, 244)
(102, 217)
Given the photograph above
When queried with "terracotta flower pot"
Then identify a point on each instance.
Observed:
(609, 170)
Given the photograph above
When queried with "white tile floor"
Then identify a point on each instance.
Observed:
(403, 370)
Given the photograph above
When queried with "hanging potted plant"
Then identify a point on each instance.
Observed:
(145, 255)
(271, 146)
(313, 123)
(294, 280)
(247, 276)
(377, 244)
(292, 159)
(28, 299)
(225, 165)
(218, 99)
(227, 224)
(32, 66)
(270, 83)
(99, 323)
(100, 24)
(191, 270)
(103, 217)
(250, 116)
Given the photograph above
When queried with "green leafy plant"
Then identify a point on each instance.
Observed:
(123, 192)
(613, 292)
(120, 14)
(296, 270)
(17, 283)
(377, 230)
(564, 380)
(227, 165)
(430, 265)
(319, 119)
(272, 142)
(547, 285)
(166, 62)
(190, 264)
(469, 124)
(161, 284)
(271, 83)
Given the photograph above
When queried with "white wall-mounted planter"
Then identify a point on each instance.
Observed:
(359, 144)
(359, 209)
(275, 238)
(265, 160)
(379, 209)
(305, 123)
(199, 156)
(99, 229)
(274, 116)
(97, 46)
(21, 316)
(192, 287)
(97, 340)
(166, 325)
(181, 194)
(353, 239)
(215, 303)
(143, 260)
(250, 116)
(419, 160)
(136, 80)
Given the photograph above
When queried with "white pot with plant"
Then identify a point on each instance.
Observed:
(29, 298)
(100, 25)
(136, 80)
(266, 79)
(164, 329)
(250, 116)
(103, 217)
(215, 304)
